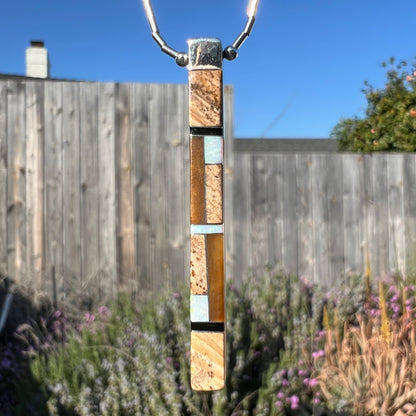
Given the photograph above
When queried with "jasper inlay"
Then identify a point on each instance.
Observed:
(199, 281)
(207, 360)
(205, 98)
(213, 193)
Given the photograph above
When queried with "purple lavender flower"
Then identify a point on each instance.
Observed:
(278, 404)
(294, 402)
(104, 312)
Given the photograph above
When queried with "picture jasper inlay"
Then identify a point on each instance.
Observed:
(213, 193)
(205, 98)
(207, 360)
(199, 281)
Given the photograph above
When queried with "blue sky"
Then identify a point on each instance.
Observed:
(302, 68)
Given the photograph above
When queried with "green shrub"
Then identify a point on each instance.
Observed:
(286, 340)
(390, 117)
(135, 359)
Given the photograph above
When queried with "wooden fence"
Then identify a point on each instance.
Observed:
(322, 214)
(94, 185)
(94, 191)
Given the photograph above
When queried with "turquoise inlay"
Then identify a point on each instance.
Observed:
(199, 308)
(213, 150)
(207, 229)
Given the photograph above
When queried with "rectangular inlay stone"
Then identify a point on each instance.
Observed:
(207, 229)
(207, 360)
(213, 193)
(199, 281)
(199, 308)
(213, 149)
(197, 167)
(215, 262)
(205, 98)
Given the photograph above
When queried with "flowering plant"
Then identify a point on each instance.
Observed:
(390, 117)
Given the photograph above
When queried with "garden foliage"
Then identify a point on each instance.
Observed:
(292, 349)
(389, 123)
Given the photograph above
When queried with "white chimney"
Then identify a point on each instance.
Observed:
(37, 61)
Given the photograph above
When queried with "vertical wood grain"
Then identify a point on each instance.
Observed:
(381, 212)
(53, 185)
(125, 197)
(274, 217)
(89, 183)
(241, 219)
(353, 213)
(320, 217)
(71, 198)
(35, 181)
(107, 219)
(306, 258)
(409, 210)
(289, 214)
(3, 177)
(397, 250)
(370, 236)
(158, 180)
(334, 199)
(258, 212)
(176, 224)
(142, 195)
(16, 181)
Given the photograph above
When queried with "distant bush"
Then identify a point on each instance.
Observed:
(390, 117)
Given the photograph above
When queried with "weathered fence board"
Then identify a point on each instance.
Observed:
(158, 175)
(94, 191)
(89, 182)
(397, 249)
(143, 207)
(3, 178)
(287, 197)
(107, 223)
(177, 197)
(320, 215)
(335, 215)
(16, 181)
(409, 185)
(71, 181)
(242, 228)
(124, 146)
(353, 211)
(53, 181)
(304, 214)
(274, 223)
(34, 181)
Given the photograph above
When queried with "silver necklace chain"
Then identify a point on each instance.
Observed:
(181, 58)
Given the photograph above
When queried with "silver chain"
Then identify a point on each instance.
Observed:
(181, 58)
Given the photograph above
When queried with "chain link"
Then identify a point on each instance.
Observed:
(181, 58)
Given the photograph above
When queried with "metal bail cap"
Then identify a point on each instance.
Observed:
(205, 53)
